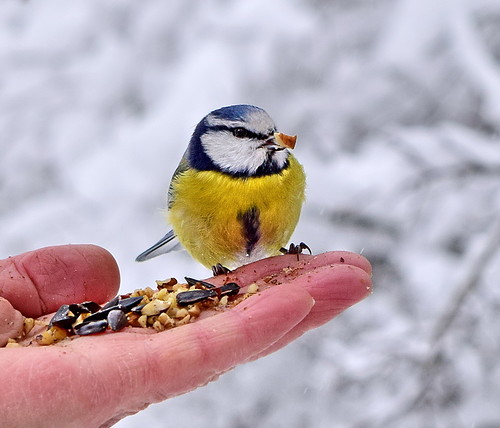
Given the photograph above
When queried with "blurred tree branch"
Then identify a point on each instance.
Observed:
(470, 282)
(436, 360)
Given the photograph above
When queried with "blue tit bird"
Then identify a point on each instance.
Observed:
(237, 193)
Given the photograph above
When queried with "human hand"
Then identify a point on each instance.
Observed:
(95, 381)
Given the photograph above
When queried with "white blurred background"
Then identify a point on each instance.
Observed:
(397, 108)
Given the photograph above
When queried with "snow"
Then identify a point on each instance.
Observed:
(396, 106)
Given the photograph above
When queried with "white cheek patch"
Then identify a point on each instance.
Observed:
(233, 154)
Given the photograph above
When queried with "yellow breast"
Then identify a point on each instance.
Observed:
(233, 221)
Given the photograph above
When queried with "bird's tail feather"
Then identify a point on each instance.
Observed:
(166, 244)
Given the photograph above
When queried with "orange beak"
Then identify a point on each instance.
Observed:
(285, 140)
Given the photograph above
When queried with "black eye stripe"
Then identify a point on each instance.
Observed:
(240, 132)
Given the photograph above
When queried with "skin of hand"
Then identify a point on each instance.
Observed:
(95, 381)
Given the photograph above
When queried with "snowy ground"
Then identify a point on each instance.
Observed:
(397, 108)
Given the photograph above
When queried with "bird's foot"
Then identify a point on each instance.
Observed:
(296, 249)
(218, 269)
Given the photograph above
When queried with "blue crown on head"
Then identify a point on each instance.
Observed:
(236, 112)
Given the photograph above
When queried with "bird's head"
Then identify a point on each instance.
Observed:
(240, 140)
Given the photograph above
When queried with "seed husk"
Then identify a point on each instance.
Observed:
(198, 283)
(128, 303)
(113, 302)
(229, 289)
(63, 318)
(117, 319)
(91, 327)
(90, 306)
(194, 296)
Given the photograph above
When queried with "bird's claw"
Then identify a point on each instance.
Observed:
(296, 249)
(218, 269)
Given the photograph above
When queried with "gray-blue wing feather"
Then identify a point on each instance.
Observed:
(181, 168)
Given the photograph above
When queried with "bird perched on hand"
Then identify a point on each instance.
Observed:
(237, 193)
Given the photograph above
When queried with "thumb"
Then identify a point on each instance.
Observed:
(38, 282)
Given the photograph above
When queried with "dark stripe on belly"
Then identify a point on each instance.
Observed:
(251, 228)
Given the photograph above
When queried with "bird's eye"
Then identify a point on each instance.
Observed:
(240, 132)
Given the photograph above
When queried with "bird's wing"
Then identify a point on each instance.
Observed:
(182, 167)
(166, 244)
